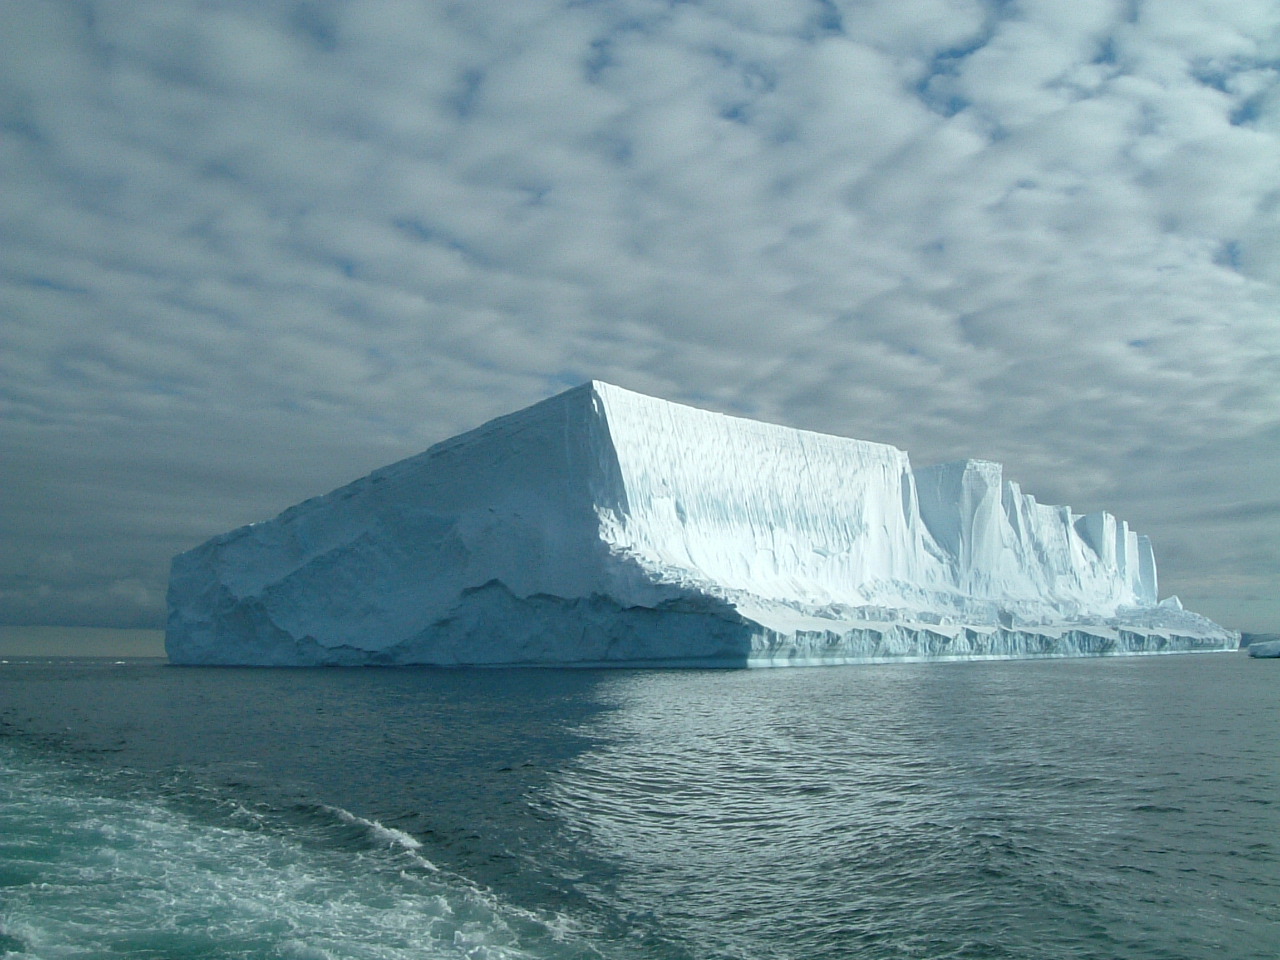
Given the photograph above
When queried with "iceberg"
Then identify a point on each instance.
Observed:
(1265, 649)
(605, 527)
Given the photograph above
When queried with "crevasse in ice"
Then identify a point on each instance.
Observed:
(602, 526)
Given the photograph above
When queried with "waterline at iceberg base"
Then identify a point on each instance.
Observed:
(604, 527)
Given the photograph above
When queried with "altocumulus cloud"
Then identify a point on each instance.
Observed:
(250, 250)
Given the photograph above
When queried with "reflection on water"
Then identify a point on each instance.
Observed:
(931, 810)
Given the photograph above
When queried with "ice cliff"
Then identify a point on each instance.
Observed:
(602, 526)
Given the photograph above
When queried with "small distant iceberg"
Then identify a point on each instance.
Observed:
(605, 527)
(1264, 648)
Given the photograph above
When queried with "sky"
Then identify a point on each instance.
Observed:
(250, 251)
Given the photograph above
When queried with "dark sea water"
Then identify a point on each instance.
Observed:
(1111, 808)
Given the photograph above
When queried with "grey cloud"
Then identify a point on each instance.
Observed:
(255, 249)
(1257, 510)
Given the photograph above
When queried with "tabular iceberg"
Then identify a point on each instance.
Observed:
(604, 527)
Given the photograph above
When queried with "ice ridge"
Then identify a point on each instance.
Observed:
(602, 526)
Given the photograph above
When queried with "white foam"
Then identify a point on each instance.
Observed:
(99, 871)
(386, 836)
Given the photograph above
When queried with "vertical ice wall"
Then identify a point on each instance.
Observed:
(1149, 585)
(808, 518)
(961, 506)
(1003, 545)
(1120, 548)
(747, 506)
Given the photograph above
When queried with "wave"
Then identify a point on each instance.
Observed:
(385, 836)
(89, 872)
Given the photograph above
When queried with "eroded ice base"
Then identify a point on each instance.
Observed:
(492, 627)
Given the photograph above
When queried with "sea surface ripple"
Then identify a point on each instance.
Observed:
(1084, 810)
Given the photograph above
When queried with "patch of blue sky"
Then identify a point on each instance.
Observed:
(599, 60)
(426, 232)
(1220, 73)
(49, 283)
(829, 20)
(315, 22)
(1228, 255)
(1224, 76)
(464, 99)
(936, 89)
(1249, 111)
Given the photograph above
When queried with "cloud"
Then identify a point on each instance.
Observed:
(255, 249)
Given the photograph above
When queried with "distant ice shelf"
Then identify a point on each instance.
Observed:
(605, 527)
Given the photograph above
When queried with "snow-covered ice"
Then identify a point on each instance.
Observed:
(602, 526)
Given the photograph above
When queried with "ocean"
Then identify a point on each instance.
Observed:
(1098, 808)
